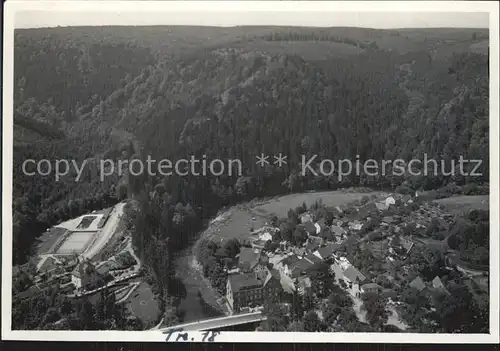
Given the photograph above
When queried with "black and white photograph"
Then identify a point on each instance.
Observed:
(300, 170)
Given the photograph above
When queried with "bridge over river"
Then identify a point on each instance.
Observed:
(220, 322)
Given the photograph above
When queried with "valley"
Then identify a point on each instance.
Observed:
(179, 248)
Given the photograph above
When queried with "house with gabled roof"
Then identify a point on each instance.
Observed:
(370, 288)
(327, 235)
(85, 276)
(326, 252)
(300, 267)
(252, 289)
(353, 278)
(294, 266)
(438, 285)
(248, 258)
(312, 258)
(353, 275)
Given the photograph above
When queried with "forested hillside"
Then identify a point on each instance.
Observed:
(173, 92)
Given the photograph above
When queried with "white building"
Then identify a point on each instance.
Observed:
(390, 201)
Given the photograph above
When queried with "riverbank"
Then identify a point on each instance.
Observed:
(199, 300)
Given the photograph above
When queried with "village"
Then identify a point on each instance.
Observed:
(377, 245)
(391, 246)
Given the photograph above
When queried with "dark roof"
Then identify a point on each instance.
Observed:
(248, 258)
(300, 267)
(314, 243)
(106, 267)
(309, 227)
(318, 270)
(418, 284)
(244, 281)
(379, 248)
(352, 273)
(405, 198)
(220, 252)
(349, 241)
(313, 258)
(31, 292)
(326, 233)
(390, 293)
(125, 259)
(275, 273)
(290, 260)
(327, 250)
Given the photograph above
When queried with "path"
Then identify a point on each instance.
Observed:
(103, 236)
(393, 319)
(132, 289)
(108, 285)
(130, 249)
(358, 309)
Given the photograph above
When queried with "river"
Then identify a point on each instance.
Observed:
(198, 299)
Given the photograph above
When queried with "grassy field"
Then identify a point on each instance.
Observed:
(75, 242)
(142, 304)
(280, 206)
(459, 204)
(309, 50)
(238, 221)
(122, 293)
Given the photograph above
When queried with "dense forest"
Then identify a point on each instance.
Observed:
(93, 93)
